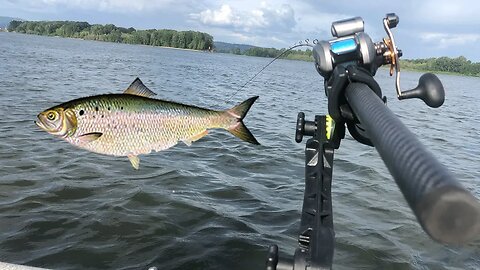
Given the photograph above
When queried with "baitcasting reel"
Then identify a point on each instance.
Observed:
(351, 46)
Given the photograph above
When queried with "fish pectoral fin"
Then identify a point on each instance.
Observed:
(89, 137)
(195, 137)
(135, 160)
(139, 89)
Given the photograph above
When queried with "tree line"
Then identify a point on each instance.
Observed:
(111, 33)
(272, 53)
(460, 65)
(444, 64)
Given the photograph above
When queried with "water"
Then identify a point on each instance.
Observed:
(221, 202)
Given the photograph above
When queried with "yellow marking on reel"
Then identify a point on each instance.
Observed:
(329, 126)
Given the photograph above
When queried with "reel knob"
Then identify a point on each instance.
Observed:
(300, 129)
(429, 89)
(304, 127)
(392, 20)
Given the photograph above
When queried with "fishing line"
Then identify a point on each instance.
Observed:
(273, 60)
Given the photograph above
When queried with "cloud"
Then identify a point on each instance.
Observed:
(446, 40)
(117, 6)
(279, 19)
(221, 17)
(463, 12)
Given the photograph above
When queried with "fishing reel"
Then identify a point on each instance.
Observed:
(352, 56)
(351, 46)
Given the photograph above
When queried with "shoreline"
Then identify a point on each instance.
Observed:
(213, 51)
(86, 39)
(439, 72)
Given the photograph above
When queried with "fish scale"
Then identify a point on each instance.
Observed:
(133, 123)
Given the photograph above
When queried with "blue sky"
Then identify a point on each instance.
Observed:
(428, 28)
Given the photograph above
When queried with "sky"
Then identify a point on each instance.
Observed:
(428, 28)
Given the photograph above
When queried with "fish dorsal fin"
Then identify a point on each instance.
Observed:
(139, 89)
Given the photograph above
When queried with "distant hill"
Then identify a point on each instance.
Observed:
(4, 21)
(231, 48)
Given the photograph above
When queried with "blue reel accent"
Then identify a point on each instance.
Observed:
(343, 46)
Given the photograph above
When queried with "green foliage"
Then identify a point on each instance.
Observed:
(443, 64)
(272, 52)
(13, 25)
(262, 52)
(459, 65)
(111, 33)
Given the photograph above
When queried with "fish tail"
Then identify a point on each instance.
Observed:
(239, 129)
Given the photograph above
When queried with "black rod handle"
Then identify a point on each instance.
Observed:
(446, 211)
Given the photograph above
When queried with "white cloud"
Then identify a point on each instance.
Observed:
(222, 16)
(121, 6)
(446, 40)
(273, 18)
(443, 12)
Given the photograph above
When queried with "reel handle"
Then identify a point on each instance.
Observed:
(429, 89)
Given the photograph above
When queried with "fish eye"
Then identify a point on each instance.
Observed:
(51, 116)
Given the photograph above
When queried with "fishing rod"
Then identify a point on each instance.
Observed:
(447, 212)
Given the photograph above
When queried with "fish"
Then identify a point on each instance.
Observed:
(134, 123)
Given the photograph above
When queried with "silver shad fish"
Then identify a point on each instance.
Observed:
(133, 123)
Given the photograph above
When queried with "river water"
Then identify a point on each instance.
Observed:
(221, 202)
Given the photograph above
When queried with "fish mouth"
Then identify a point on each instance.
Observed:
(40, 123)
